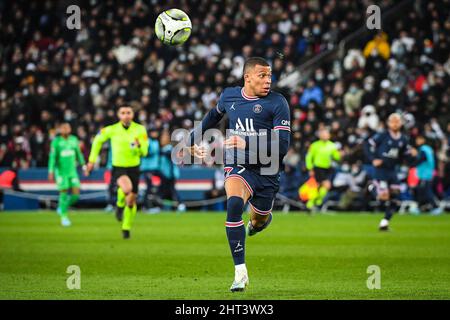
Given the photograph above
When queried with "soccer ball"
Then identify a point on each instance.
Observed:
(173, 27)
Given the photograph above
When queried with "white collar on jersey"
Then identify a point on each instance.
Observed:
(246, 97)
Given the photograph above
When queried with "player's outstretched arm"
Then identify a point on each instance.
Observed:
(284, 138)
(211, 119)
(80, 157)
(52, 160)
(282, 125)
(99, 139)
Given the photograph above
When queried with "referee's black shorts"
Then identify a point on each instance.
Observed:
(322, 174)
(132, 172)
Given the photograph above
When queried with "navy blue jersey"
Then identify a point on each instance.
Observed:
(252, 118)
(389, 149)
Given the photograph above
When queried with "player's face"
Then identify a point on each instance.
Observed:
(259, 79)
(324, 135)
(394, 124)
(65, 129)
(125, 115)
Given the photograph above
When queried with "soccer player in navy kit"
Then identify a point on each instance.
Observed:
(386, 151)
(254, 113)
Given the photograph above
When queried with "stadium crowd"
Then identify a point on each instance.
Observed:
(51, 74)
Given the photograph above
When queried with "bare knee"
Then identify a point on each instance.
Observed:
(125, 185)
(126, 190)
(326, 184)
(236, 188)
(130, 199)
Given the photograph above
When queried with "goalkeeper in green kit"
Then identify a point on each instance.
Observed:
(62, 167)
(129, 142)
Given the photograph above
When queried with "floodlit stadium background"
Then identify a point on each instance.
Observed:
(325, 61)
(333, 71)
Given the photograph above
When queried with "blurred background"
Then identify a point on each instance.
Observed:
(333, 71)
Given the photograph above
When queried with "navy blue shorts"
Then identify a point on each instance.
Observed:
(263, 189)
(386, 179)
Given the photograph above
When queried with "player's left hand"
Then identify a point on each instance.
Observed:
(413, 152)
(235, 142)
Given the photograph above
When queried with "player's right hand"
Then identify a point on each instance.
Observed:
(198, 151)
(50, 176)
(311, 173)
(235, 142)
(89, 168)
(377, 162)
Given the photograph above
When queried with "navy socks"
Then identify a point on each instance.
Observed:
(235, 229)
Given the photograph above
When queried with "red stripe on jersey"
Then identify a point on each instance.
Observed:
(282, 128)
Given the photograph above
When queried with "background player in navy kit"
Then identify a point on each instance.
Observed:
(253, 112)
(386, 151)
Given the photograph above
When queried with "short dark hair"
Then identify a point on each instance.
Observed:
(124, 105)
(254, 61)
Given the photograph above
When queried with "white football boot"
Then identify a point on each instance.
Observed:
(65, 222)
(240, 279)
(384, 225)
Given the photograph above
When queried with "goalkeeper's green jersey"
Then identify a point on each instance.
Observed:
(125, 151)
(64, 155)
(321, 153)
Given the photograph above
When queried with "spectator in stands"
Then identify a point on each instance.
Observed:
(354, 60)
(378, 46)
(352, 100)
(369, 118)
(312, 93)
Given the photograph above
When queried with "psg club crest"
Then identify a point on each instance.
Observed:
(257, 108)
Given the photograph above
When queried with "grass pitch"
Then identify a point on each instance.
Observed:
(186, 256)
